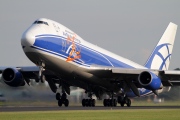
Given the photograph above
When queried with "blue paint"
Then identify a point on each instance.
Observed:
(54, 45)
(142, 92)
(155, 83)
(156, 52)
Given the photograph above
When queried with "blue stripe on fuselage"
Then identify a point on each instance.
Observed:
(58, 45)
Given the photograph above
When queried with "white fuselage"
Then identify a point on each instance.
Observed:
(65, 53)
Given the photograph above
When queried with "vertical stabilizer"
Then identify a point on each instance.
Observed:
(160, 57)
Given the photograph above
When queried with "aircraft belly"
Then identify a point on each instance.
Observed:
(75, 73)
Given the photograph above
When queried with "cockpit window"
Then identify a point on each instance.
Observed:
(40, 22)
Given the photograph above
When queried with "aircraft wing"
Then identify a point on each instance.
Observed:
(28, 72)
(172, 76)
(130, 76)
(168, 77)
(23, 69)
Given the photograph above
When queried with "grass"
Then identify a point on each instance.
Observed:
(142, 114)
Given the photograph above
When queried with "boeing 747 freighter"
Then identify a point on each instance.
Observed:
(64, 59)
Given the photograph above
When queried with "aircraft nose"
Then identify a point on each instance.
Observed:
(27, 39)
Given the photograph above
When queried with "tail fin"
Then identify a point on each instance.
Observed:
(160, 57)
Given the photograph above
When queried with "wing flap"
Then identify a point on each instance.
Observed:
(170, 77)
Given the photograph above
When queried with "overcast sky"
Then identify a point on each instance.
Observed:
(129, 28)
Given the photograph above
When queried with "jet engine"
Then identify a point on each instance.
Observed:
(13, 77)
(149, 80)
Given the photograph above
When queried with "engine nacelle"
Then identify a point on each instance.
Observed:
(13, 77)
(150, 81)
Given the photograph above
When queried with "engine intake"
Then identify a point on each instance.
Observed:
(13, 77)
(150, 81)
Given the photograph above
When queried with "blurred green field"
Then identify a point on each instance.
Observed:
(142, 114)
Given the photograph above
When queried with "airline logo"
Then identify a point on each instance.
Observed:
(73, 51)
(160, 58)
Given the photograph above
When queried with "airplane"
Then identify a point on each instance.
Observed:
(64, 59)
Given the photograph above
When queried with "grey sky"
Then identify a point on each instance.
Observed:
(129, 28)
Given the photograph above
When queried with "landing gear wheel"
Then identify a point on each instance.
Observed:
(93, 102)
(108, 102)
(64, 96)
(62, 99)
(124, 100)
(122, 104)
(83, 102)
(89, 102)
(86, 102)
(128, 102)
(66, 102)
(111, 102)
(58, 96)
(115, 102)
(60, 103)
(104, 103)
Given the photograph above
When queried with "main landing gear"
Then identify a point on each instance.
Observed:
(110, 102)
(89, 102)
(113, 102)
(124, 100)
(62, 99)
